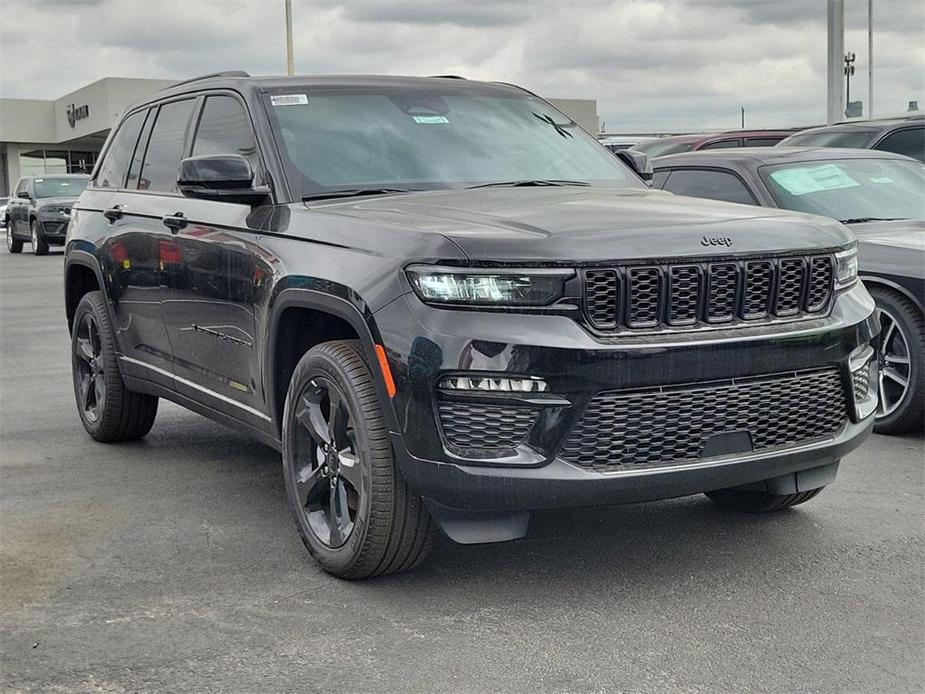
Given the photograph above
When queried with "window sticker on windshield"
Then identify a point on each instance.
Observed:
(881, 179)
(813, 179)
(430, 119)
(288, 99)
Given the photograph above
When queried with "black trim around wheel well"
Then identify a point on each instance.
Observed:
(876, 280)
(76, 280)
(323, 317)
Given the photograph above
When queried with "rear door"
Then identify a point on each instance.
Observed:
(215, 278)
(141, 180)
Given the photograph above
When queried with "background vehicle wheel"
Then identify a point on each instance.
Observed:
(355, 514)
(108, 410)
(902, 375)
(12, 245)
(752, 501)
(39, 246)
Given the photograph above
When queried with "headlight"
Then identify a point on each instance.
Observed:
(501, 287)
(846, 267)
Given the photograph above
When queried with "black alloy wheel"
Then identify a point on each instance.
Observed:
(895, 364)
(329, 477)
(13, 245)
(89, 368)
(39, 245)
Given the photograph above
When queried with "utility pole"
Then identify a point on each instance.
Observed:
(835, 55)
(870, 58)
(290, 62)
(742, 108)
(849, 73)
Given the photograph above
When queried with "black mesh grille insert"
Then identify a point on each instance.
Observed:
(483, 426)
(790, 287)
(684, 304)
(645, 287)
(640, 429)
(601, 297)
(820, 286)
(860, 382)
(722, 292)
(684, 295)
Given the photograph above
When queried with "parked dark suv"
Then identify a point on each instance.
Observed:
(40, 209)
(448, 306)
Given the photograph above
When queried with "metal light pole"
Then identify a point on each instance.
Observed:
(835, 54)
(849, 73)
(290, 62)
(870, 58)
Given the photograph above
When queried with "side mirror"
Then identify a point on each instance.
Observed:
(638, 162)
(24, 194)
(220, 177)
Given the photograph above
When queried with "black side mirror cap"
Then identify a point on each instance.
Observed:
(221, 178)
(638, 162)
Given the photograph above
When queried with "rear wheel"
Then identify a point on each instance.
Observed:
(753, 501)
(109, 411)
(901, 387)
(354, 512)
(12, 245)
(39, 245)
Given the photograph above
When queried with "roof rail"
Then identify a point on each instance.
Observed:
(229, 73)
(447, 77)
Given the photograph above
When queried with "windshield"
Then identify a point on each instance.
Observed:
(70, 187)
(829, 138)
(850, 189)
(399, 138)
(661, 148)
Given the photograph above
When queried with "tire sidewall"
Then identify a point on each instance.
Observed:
(88, 304)
(313, 364)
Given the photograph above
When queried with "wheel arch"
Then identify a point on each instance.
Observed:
(871, 281)
(82, 274)
(303, 318)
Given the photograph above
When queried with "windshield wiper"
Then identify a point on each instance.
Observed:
(861, 220)
(530, 183)
(353, 193)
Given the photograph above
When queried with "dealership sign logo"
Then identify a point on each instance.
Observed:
(76, 113)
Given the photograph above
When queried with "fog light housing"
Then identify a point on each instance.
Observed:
(864, 380)
(493, 384)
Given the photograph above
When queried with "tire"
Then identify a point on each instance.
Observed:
(111, 412)
(39, 245)
(12, 245)
(901, 408)
(753, 501)
(387, 529)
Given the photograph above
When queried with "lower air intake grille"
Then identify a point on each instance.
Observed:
(653, 428)
(481, 427)
(860, 381)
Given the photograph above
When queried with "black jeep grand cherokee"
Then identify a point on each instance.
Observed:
(448, 306)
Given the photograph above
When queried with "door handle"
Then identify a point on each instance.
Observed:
(175, 222)
(114, 213)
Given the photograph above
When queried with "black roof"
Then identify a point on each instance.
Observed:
(762, 156)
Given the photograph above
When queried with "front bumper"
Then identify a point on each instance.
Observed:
(425, 343)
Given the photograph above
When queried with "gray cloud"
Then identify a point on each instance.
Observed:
(651, 64)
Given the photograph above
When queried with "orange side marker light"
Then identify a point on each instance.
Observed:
(386, 371)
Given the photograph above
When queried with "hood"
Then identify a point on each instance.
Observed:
(592, 224)
(56, 201)
(898, 233)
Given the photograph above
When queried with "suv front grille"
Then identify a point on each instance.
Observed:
(685, 295)
(668, 426)
(478, 428)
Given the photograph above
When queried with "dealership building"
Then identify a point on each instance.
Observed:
(65, 135)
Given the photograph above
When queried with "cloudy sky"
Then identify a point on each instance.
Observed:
(649, 63)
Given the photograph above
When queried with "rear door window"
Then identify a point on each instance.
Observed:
(762, 141)
(114, 167)
(722, 144)
(704, 183)
(166, 147)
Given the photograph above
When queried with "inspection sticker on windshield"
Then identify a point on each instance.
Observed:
(288, 99)
(430, 120)
(813, 179)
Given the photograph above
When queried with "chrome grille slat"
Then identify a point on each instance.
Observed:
(686, 295)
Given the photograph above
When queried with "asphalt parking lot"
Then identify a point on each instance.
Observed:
(173, 565)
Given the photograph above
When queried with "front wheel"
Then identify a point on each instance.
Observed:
(753, 501)
(354, 512)
(13, 245)
(901, 389)
(39, 245)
